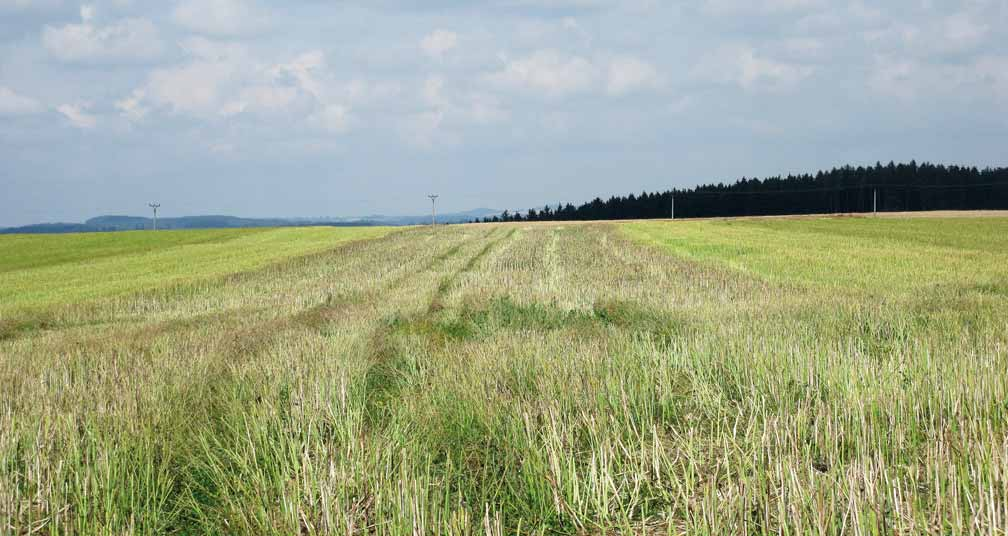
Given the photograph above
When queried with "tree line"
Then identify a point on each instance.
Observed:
(847, 189)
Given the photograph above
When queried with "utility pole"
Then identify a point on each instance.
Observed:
(874, 201)
(154, 206)
(433, 216)
(673, 206)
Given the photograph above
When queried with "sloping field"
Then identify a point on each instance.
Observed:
(42, 270)
(798, 376)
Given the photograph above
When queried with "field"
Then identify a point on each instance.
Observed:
(749, 376)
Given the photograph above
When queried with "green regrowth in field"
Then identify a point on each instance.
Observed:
(705, 377)
(41, 270)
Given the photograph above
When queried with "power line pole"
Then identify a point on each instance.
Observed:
(154, 206)
(433, 217)
(673, 206)
(874, 201)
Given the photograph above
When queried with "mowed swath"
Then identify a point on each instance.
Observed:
(46, 270)
(742, 376)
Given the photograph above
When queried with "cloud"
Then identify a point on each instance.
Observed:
(362, 92)
(437, 43)
(196, 88)
(955, 34)
(128, 39)
(77, 116)
(481, 108)
(222, 81)
(432, 92)
(26, 5)
(303, 70)
(765, 73)
(460, 107)
(554, 74)
(991, 73)
(910, 79)
(448, 108)
(220, 17)
(629, 74)
(547, 72)
(750, 7)
(424, 129)
(265, 98)
(132, 107)
(13, 104)
(751, 70)
(334, 118)
(204, 86)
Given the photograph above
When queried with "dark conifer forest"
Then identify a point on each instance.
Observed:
(889, 188)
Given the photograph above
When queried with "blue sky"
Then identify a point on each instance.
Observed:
(313, 108)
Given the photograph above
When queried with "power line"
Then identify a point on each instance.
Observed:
(154, 206)
(433, 200)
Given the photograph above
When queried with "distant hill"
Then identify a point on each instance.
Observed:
(450, 217)
(133, 223)
(125, 223)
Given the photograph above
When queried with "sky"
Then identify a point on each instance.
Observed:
(308, 108)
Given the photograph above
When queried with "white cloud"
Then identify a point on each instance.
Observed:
(805, 48)
(12, 103)
(961, 32)
(212, 50)
(547, 72)
(223, 80)
(446, 111)
(303, 70)
(910, 79)
(748, 7)
(681, 104)
(433, 92)
(196, 88)
(28, 5)
(219, 17)
(222, 148)
(132, 107)
(128, 39)
(363, 92)
(460, 107)
(207, 84)
(954, 34)
(268, 100)
(991, 72)
(437, 43)
(629, 74)
(751, 70)
(481, 108)
(77, 116)
(334, 118)
(554, 74)
(424, 129)
(765, 73)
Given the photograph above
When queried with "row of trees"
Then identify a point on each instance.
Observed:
(890, 188)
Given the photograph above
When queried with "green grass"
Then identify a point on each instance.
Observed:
(26, 251)
(881, 256)
(60, 269)
(755, 376)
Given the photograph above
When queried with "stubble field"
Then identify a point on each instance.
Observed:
(756, 376)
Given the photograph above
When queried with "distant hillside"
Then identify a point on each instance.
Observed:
(123, 223)
(450, 217)
(133, 223)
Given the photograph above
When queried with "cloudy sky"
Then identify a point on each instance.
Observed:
(313, 107)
